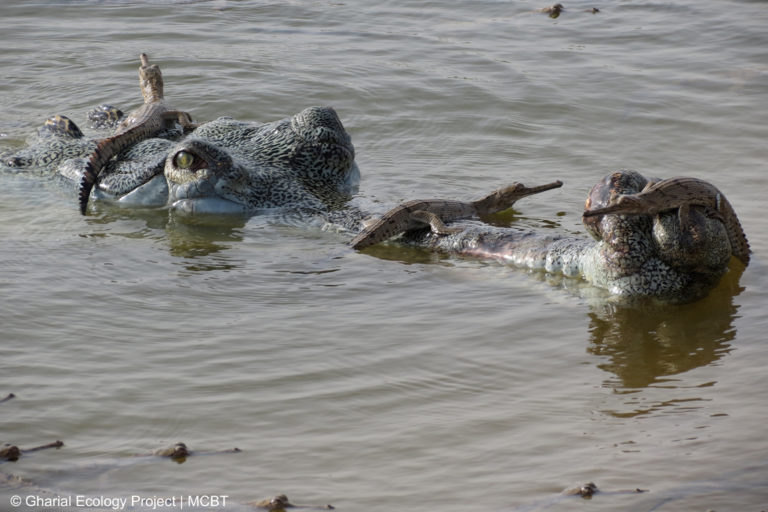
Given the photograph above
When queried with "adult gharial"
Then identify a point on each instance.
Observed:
(222, 167)
(670, 240)
(663, 239)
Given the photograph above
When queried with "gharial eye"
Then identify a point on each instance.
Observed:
(184, 160)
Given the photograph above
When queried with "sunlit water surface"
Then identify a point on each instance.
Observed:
(393, 379)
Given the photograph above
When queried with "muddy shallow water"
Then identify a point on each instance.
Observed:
(394, 378)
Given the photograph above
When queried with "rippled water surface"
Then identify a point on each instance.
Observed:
(394, 379)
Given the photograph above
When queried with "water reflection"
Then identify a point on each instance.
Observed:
(641, 342)
(200, 237)
(189, 238)
(110, 215)
(644, 343)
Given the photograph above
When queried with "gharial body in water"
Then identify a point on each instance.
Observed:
(222, 167)
(302, 164)
(280, 502)
(676, 249)
(653, 253)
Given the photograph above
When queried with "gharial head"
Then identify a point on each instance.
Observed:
(179, 451)
(280, 499)
(504, 198)
(150, 80)
(9, 452)
(499, 198)
(608, 195)
(555, 10)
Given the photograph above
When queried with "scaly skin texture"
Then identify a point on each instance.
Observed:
(681, 194)
(59, 140)
(305, 165)
(302, 164)
(434, 212)
(147, 121)
(638, 256)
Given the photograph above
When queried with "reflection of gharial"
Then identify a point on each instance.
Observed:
(280, 502)
(675, 250)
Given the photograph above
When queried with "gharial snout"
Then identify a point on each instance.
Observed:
(623, 205)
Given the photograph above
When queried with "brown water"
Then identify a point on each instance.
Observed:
(395, 379)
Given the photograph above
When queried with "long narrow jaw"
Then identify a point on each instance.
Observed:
(504, 198)
(602, 211)
(527, 191)
(624, 205)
